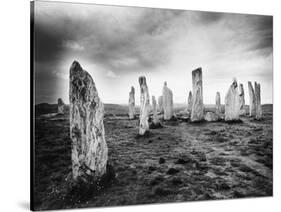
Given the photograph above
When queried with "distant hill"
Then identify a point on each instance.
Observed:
(117, 109)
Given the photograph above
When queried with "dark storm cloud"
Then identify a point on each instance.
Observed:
(264, 32)
(209, 17)
(120, 45)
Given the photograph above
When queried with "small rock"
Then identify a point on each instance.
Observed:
(162, 160)
(172, 171)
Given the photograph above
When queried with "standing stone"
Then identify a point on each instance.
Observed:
(155, 119)
(258, 100)
(197, 112)
(232, 103)
(132, 103)
(60, 106)
(160, 104)
(89, 148)
(167, 102)
(218, 103)
(242, 99)
(144, 106)
(189, 102)
(252, 100)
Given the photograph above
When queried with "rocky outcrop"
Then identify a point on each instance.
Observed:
(218, 104)
(89, 149)
(242, 100)
(155, 119)
(167, 102)
(60, 106)
(144, 106)
(132, 113)
(160, 104)
(252, 100)
(189, 102)
(258, 100)
(197, 112)
(211, 116)
(232, 103)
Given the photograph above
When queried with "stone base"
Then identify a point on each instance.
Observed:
(80, 190)
(155, 126)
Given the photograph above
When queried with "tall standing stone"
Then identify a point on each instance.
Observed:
(189, 102)
(167, 102)
(242, 99)
(132, 103)
(60, 106)
(155, 119)
(197, 112)
(218, 103)
(232, 103)
(258, 100)
(144, 106)
(160, 104)
(89, 148)
(252, 100)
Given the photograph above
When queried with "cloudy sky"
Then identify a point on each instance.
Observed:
(116, 45)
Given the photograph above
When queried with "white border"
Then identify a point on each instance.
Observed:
(14, 153)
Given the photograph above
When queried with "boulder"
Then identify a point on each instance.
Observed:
(258, 100)
(252, 100)
(89, 149)
(197, 112)
(132, 113)
(242, 100)
(232, 103)
(189, 102)
(60, 106)
(218, 104)
(144, 106)
(167, 102)
(211, 116)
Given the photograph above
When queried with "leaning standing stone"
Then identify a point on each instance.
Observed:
(197, 113)
(167, 102)
(218, 103)
(60, 106)
(160, 104)
(189, 102)
(242, 99)
(144, 106)
(132, 103)
(258, 100)
(252, 100)
(89, 148)
(155, 119)
(232, 103)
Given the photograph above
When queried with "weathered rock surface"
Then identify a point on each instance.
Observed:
(252, 100)
(60, 106)
(197, 112)
(211, 116)
(160, 104)
(167, 102)
(258, 100)
(232, 103)
(155, 119)
(242, 99)
(144, 106)
(89, 148)
(132, 113)
(189, 102)
(218, 103)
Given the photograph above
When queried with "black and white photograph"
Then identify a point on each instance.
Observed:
(139, 105)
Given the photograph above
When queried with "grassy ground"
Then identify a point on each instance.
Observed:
(180, 162)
